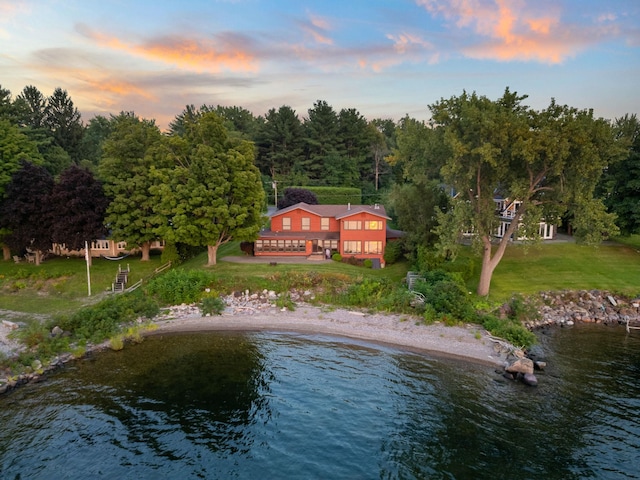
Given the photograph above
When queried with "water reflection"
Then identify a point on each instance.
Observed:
(294, 406)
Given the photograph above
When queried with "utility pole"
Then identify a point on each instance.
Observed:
(86, 256)
(274, 185)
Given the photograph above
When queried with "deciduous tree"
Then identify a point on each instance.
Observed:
(15, 147)
(620, 186)
(78, 206)
(212, 192)
(129, 153)
(550, 160)
(25, 212)
(297, 195)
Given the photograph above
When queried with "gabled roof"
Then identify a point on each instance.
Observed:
(336, 211)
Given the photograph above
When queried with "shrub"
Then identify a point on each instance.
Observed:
(368, 263)
(116, 342)
(212, 305)
(336, 257)
(103, 320)
(447, 295)
(170, 254)
(393, 252)
(513, 332)
(180, 286)
(284, 301)
(365, 293)
(247, 248)
(352, 260)
(32, 334)
(522, 310)
(395, 299)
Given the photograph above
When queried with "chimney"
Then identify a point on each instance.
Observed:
(349, 206)
(376, 207)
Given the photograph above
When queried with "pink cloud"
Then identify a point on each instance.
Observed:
(405, 41)
(516, 30)
(11, 8)
(318, 28)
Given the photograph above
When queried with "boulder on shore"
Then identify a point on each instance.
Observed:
(530, 379)
(521, 365)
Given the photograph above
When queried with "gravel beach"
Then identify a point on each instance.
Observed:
(469, 342)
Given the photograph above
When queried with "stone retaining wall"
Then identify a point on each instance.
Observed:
(582, 306)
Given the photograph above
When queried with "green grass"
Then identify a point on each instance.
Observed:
(630, 241)
(257, 276)
(565, 266)
(59, 284)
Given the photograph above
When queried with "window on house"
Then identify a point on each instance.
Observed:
(324, 223)
(373, 247)
(352, 225)
(352, 246)
(373, 225)
(286, 223)
(280, 246)
(306, 223)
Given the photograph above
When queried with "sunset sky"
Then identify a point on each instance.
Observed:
(386, 58)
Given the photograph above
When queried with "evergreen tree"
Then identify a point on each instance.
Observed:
(280, 144)
(64, 122)
(321, 137)
(355, 139)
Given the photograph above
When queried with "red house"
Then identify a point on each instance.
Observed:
(315, 230)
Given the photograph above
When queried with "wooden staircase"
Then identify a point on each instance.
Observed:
(122, 277)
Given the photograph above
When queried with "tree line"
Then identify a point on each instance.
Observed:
(437, 177)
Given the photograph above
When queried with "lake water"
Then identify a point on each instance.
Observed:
(288, 406)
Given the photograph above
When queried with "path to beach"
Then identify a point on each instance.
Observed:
(470, 342)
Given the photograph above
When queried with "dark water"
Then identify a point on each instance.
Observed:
(273, 405)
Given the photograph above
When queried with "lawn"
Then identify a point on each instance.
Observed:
(567, 266)
(60, 284)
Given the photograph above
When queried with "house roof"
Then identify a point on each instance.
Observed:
(394, 234)
(336, 211)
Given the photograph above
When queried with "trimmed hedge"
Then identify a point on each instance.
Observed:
(336, 195)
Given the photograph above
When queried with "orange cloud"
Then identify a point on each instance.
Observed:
(193, 54)
(318, 28)
(512, 29)
(119, 88)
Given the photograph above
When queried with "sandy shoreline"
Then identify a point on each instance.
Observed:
(469, 342)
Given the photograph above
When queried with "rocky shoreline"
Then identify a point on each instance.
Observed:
(259, 311)
(567, 308)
